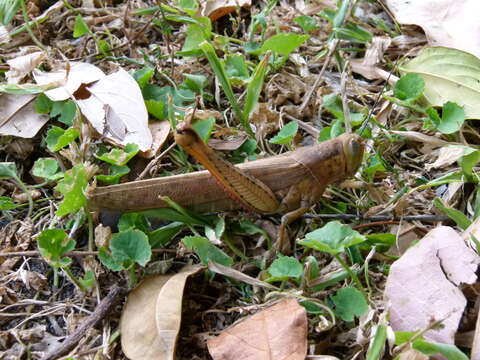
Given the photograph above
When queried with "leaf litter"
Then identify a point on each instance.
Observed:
(116, 78)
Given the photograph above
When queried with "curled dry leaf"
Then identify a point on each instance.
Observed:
(423, 285)
(151, 316)
(215, 9)
(238, 275)
(417, 136)
(23, 65)
(368, 66)
(447, 155)
(265, 119)
(446, 23)
(160, 131)
(227, 145)
(279, 332)
(18, 116)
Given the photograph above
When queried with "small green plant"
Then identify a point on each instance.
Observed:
(349, 302)
(126, 249)
(48, 169)
(286, 134)
(283, 269)
(9, 170)
(58, 138)
(451, 352)
(206, 251)
(333, 239)
(119, 157)
(53, 245)
(72, 186)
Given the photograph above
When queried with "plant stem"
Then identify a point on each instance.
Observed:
(29, 29)
(350, 273)
(132, 277)
(27, 193)
(73, 279)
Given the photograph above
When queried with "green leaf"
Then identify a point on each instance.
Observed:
(453, 118)
(377, 346)
(353, 33)
(195, 83)
(53, 244)
(349, 302)
(156, 108)
(196, 34)
(206, 251)
(43, 104)
(72, 186)
(88, 280)
(8, 9)
(143, 76)
(451, 352)
(449, 75)
(80, 28)
(236, 68)
(204, 128)
(307, 23)
(333, 238)
(460, 219)
(24, 89)
(57, 138)
(286, 134)
(221, 75)
(284, 43)
(8, 170)
(47, 168)
(162, 236)
(6, 203)
(374, 165)
(109, 261)
(115, 172)
(119, 157)
(284, 268)
(130, 247)
(254, 87)
(133, 221)
(189, 6)
(409, 87)
(66, 109)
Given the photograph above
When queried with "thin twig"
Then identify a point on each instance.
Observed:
(101, 311)
(154, 162)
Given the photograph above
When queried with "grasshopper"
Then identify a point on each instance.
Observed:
(289, 183)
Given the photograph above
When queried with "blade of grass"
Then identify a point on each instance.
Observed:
(255, 87)
(220, 73)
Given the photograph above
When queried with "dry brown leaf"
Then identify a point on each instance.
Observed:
(279, 332)
(160, 131)
(227, 145)
(417, 136)
(411, 354)
(151, 316)
(23, 65)
(446, 23)
(423, 285)
(367, 67)
(18, 116)
(447, 155)
(265, 119)
(215, 9)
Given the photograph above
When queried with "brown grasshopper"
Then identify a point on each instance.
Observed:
(289, 183)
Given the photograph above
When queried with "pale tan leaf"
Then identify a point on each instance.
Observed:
(227, 145)
(79, 73)
(423, 285)
(238, 275)
(114, 106)
(168, 309)
(446, 23)
(447, 156)
(279, 332)
(411, 354)
(23, 65)
(18, 116)
(156, 299)
(417, 136)
(160, 131)
(215, 9)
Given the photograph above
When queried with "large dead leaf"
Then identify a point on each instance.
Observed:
(423, 285)
(152, 314)
(215, 9)
(114, 106)
(279, 332)
(446, 23)
(18, 116)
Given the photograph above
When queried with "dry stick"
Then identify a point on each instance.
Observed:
(319, 78)
(102, 309)
(72, 253)
(154, 161)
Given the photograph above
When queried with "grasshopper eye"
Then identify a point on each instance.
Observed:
(355, 146)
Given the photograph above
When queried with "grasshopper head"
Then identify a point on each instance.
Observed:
(353, 147)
